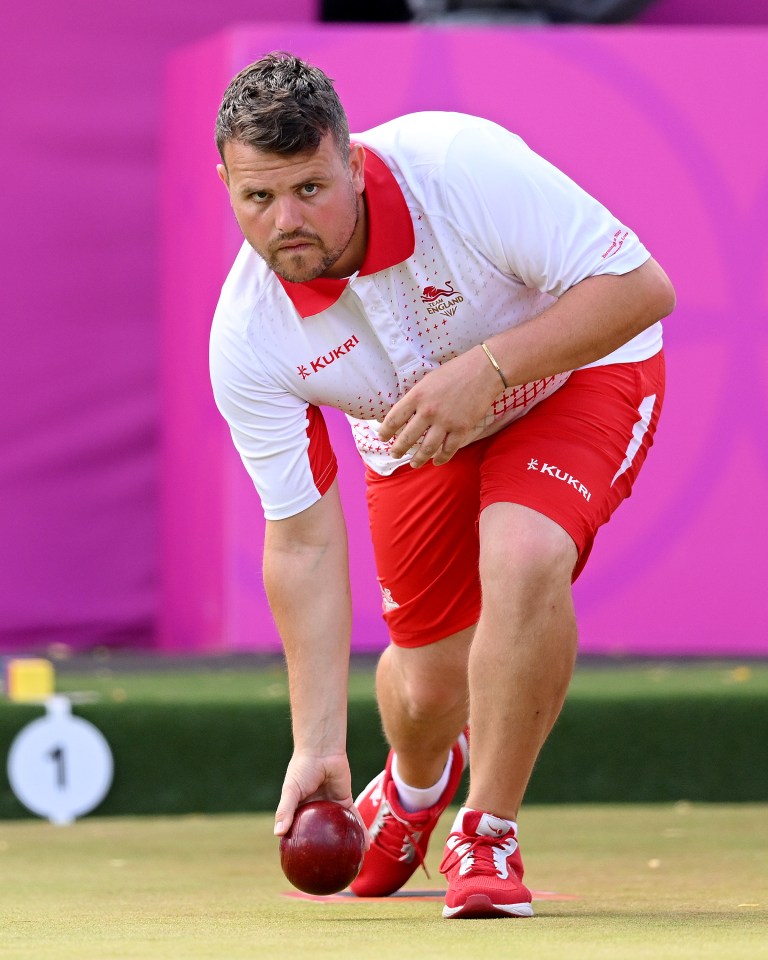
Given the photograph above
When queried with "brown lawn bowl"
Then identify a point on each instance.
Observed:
(323, 851)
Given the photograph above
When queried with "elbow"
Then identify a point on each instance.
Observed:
(662, 298)
(667, 299)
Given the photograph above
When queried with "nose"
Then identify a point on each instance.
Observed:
(288, 215)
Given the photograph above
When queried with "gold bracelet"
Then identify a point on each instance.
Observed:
(496, 367)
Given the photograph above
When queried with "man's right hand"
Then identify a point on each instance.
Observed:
(310, 777)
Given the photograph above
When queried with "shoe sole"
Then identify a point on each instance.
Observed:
(478, 906)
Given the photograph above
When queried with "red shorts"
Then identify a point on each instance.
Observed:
(573, 458)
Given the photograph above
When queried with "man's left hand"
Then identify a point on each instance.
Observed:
(446, 408)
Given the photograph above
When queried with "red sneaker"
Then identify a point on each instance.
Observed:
(484, 869)
(399, 838)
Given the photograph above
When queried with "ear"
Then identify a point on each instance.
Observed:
(357, 166)
(223, 175)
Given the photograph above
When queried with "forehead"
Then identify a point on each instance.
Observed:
(248, 165)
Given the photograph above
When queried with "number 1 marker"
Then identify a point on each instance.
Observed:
(60, 766)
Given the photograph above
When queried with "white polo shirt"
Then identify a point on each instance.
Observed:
(469, 233)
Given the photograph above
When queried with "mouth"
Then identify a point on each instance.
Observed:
(298, 245)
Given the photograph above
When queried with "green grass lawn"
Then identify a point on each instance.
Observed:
(214, 736)
(663, 882)
(610, 680)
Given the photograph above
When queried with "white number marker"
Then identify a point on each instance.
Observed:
(60, 766)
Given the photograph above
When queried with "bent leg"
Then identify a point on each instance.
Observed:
(523, 652)
(424, 532)
(422, 696)
(423, 702)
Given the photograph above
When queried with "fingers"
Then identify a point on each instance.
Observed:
(356, 812)
(312, 778)
(436, 444)
(292, 795)
(418, 427)
(396, 419)
(451, 444)
(430, 445)
(284, 814)
(434, 419)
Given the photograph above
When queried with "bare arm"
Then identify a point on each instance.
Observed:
(589, 321)
(307, 582)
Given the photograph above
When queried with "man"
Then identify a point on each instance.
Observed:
(438, 282)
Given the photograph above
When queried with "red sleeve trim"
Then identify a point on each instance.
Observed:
(322, 459)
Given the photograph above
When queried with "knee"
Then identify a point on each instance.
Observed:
(431, 682)
(524, 556)
(426, 699)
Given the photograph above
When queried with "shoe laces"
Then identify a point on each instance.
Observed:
(480, 851)
(392, 841)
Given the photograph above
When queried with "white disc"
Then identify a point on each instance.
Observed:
(60, 766)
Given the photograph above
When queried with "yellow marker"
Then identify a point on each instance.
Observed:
(740, 674)
(28, 679)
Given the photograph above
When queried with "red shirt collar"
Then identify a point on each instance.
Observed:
(390, 239)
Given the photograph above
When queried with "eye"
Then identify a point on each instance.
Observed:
(259, 196)
(309, 189)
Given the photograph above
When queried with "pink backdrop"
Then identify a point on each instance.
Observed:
(654, 122)
(81, 87)
(81, 115)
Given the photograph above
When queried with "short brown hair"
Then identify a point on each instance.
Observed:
(281, 104)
